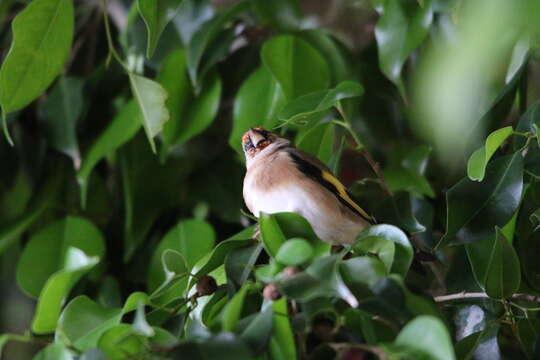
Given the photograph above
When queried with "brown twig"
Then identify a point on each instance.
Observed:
(482, 295)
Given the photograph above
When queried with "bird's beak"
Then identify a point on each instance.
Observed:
(256, 137)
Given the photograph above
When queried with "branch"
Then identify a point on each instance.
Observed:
(480, 295)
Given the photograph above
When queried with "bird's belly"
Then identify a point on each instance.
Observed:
(293, 199)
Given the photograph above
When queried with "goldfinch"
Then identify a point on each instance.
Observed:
(281, 178)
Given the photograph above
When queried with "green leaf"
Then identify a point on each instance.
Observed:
(318, 141)
(503, 272)
(42, 36)
(401, 28)
(379, 247)
(279, 14)
(256, 104)
(55, 351)
(60, 112)
(294, 252)
(192, 239)
(282, 345)
(320, 101)
(403, 248)
(83, 321)
(272, 236)
(122, 128)
(191, 15)
(47, 249)
(406, 169)
(202, 110)
(292, 62)
(528, 122)
(240, 262)
(257, 333)
(362, 270)
(233, 309)
(215, 258)
(57, 288)
(11, 232)
(119, 342)
(474, 209)
(156, 15)
(174, 79)
(204, 38)
(429, 336)
(151, 97)
(477, 163)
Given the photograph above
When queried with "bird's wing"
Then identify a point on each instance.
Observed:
(318, 172)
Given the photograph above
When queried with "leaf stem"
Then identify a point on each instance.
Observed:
(110, 43)
(361, 148)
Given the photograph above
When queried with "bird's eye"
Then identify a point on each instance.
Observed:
(261, 142)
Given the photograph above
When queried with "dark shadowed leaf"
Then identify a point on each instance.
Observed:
(122, 128)
(406, 170)
(529, 122)
(190, 17)
(240, 262)
(474, 209)
(258, 332)
(292, 62)
(9, 233)
(156, 15)
(203, 39)
(279, 14)
(503, 271)
(401, 28)
(60, 112)
(42, 35)
(319, 101)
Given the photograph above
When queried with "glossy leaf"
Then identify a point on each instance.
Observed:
(57, 288)
(42, 36)
(294, 252)
(203, 110)
(380, 247)
(83, 321)
(191, 15)
(402, 27)
(47, 249)
(156, 15)
(429, 336)
(503, 272)
(122, 128)
(61, 111)
(240, 262)
(403, 248)
(256, 104)
(55, 351)
(233, 309)
(477, 163)
(282, 344)
(318, 141)
(204, 37)
(257, 333)
(292, 61)
(406, 170)
(150, 97)
(528, 122)
(192, 239)
(474, 209)
(279, 14)
(320, 101)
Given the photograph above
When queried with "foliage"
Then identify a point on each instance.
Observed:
(121, 212)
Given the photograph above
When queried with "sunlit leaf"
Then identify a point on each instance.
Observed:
(476, 166)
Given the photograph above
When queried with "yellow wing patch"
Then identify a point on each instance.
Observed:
(343, 192)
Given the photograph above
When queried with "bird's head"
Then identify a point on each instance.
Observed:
(257, 139)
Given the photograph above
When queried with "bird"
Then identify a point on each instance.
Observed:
(281, 178)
